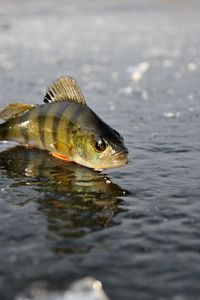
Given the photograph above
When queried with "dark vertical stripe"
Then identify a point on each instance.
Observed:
(42, 115)
(61, 110)
(77, 113)
(24, 130)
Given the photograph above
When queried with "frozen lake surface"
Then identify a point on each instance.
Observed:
(137, 228)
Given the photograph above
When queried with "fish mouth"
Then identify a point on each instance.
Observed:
(117, 159)
(120, 158)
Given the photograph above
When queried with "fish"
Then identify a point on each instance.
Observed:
(65, 126)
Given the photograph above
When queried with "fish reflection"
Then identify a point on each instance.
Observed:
(76, 200)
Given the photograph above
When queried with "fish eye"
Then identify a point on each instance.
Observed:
(100, 145)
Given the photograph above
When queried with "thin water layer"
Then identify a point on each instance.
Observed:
(136, 228)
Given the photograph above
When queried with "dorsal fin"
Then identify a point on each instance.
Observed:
(64, 88)
(14, 109)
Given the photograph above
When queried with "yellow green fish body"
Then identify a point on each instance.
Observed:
(65, 125)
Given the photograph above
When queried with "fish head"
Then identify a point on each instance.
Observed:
(101, 149)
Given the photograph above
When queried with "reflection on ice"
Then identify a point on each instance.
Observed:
(191, 66)
(74, 200)
(171, 114)
(85, 289)
(138, 71)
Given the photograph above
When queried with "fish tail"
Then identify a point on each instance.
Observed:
(15, 109)
(9, 114)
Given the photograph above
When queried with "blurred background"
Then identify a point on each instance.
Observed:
(136, 229)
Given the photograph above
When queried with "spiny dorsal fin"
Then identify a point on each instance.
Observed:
(14, 109)
(64, 88)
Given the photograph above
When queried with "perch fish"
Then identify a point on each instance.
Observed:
(65, 126)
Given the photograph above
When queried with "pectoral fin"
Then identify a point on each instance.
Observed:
(57, 155)
(14, 109)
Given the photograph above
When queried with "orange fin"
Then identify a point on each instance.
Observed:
(60, 156)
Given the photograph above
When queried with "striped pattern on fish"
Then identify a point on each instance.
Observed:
(65, 126)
